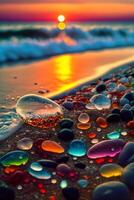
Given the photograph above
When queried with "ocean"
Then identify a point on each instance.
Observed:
(30, 41)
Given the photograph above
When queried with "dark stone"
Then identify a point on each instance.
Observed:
(126, 154)
(128, 175)
(6, 193)
(132, 103)
(66, 135)
(48, 163)
(63, 159)
(113, 118)
(113, 190)
(71, 193)
(116, 111)
(66, 123)
(68, 105)
(124, 101)
(100, 88)
(129, 96)
(80, 165)
(126, 115)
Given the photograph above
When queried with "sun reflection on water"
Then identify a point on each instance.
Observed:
(63, 68)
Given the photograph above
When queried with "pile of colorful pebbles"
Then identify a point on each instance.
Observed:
(78, 147)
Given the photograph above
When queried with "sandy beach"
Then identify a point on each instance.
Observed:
(72, 173)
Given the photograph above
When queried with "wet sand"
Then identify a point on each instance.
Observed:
(58, 74)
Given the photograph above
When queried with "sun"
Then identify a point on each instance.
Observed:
(61, 18)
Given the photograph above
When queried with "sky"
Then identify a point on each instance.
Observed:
(74, 10)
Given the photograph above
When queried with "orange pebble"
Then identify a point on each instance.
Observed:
(52, 146)
(82, 126)
(101, 122)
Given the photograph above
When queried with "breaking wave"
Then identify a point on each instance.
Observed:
(30, 44)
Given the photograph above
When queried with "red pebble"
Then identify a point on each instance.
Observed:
(130, 124)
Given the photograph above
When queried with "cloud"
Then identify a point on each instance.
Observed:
(65, 1)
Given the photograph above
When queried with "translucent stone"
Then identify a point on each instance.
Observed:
(83, 183)
(106, 148)
(82, 126)
(15, 158)
(9, 123)
(101, 101)
(101, 122)
(111, 170)
(90, 106)
(77, 148)
(36, 166)
(37, 171)
(39, 111)
(83, 118)
(25, 144)
(52, 146)
(113, 135)
(63, 170)
(63, 184)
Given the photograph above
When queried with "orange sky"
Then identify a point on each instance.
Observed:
(75, 11)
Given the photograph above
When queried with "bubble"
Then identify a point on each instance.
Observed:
(9, 123)
(101, 101)
(39, 111)
(52, 146)
(111, 170)
(15, 158)
(83, 118)
(77, 148)
(25, 144)
(106, 148)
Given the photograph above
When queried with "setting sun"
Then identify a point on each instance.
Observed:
(61, 18)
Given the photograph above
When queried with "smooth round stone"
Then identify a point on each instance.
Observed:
(130, 124)
(66, 123)
(128, 175)
(9, 123)
(77, 148)
(116, 111)
(63, 184)
(63, 159)
(39, 111)
(90, 106)
(113, 118)
(38, 172)
(66, 134)
(124, 101)
(6, 193)
(71, 193)
(82, 126)
(113, 190)
(126, 115)
(63, 170)
(100, 88)
(83, 118)
(25, 144)
(127, 154)
(129, 96)
(106, 148)
(111, 86)
(68, 105)
(110, 170)
(36, 166)
(101, 122)
(101, 102)
(47, 163)
(15, 158)
(113, 135)
(52, 146)
(83, 183)
(80, 165)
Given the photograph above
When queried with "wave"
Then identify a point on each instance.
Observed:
(29, 44)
